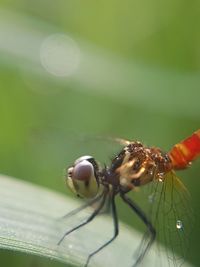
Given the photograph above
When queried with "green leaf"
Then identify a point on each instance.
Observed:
(31, 222)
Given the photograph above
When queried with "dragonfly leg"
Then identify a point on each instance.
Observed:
(89, 219)
(84, 206)
(116, 230)
(145, 220)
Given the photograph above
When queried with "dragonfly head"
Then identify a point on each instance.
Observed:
(82, 177)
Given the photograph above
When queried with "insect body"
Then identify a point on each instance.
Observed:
(136, 165)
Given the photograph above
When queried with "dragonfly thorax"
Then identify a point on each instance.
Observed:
(137, 165)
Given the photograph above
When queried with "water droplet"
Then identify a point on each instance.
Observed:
(70, 246)
(150, 172)
(151, 198)
(160, 177)
(179, 224)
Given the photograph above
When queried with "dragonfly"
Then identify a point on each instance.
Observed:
(135, 166)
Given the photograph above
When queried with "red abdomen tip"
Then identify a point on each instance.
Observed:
(186, 151)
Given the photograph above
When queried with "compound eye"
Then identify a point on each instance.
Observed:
(83, 171)
(83, 177)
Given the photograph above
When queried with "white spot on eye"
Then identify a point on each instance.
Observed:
(70, 170)
(60, 55)
(82, 158)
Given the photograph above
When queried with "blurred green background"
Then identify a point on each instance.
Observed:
(71, 71)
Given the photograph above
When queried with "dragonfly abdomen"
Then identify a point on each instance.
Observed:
(183, 153)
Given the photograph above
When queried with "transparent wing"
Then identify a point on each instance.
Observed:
(172, 216)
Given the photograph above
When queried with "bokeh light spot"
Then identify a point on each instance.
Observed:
(60, 55)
